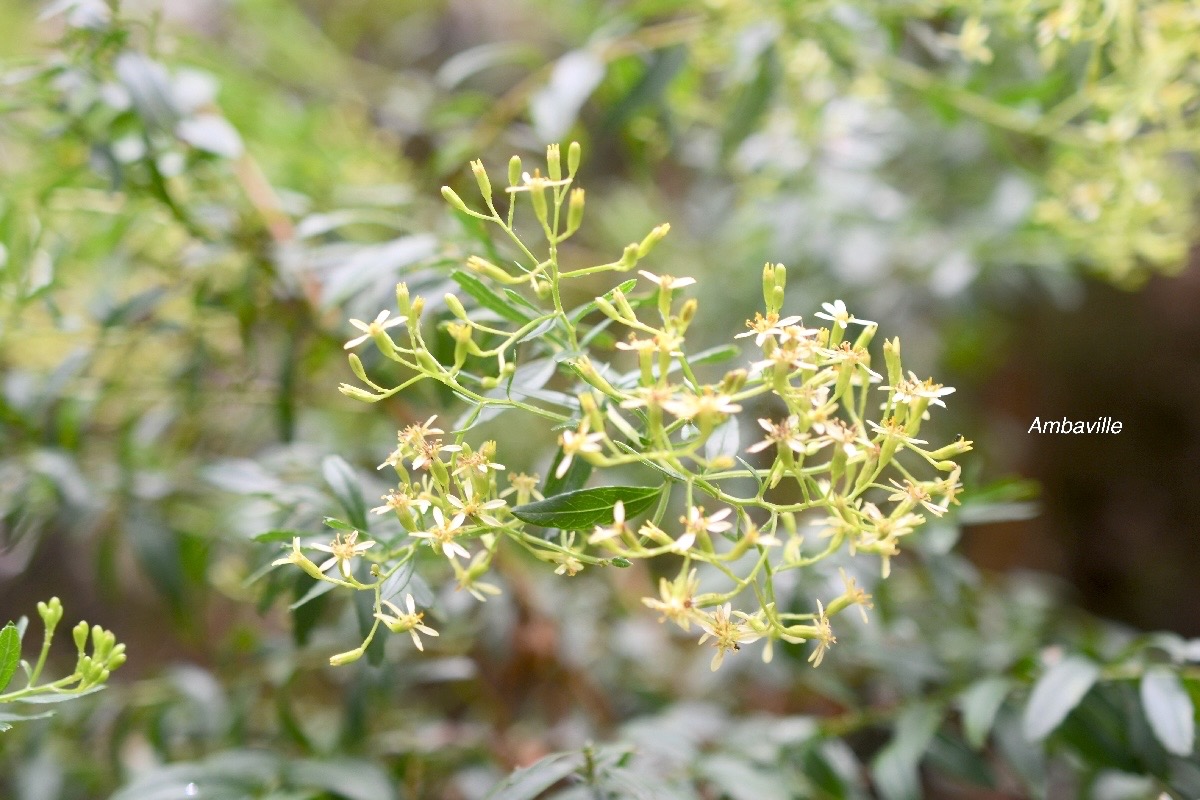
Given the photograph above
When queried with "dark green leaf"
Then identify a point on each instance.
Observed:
(10, 654)
(585, 508)
(344, 485)
(530, 782)
(1169, 709)
(316, 590)
(1054, 695)
(338, 525)
(488, 298)
(574, 478)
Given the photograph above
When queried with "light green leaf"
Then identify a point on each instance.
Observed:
(348, 778)
(1055, 694)
(740, 780)
(585, 508)
(10, 653)
(530, 782)
(895, 766)
(979, 706)
(48, 699)
(1170, 710)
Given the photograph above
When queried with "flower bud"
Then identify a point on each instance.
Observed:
(864, 338)
(655, 236)
(781, 276)
(537, 195)
(455, 305)
(688, 312)
(356, 366)
(348, 657)
(485, 267)
(481, 177)
(402, 298)
(587, 405)
(553, 162)
(514, 171)
(768, 284)
(945, 466)
(733, 381)
(574, 152)
(414, 311)
(622, 304)
(629, 257)
(541, 289)
(891, 357)
(608, 310)
(357, 393)
(79, 634)
(953, 449)
(575, 211)
(588, 372)
(454, 200)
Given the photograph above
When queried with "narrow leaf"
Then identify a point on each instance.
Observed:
(532, 781)
(1055, 694)
(488, 298)
(10, 654)
(1169, 709)
(585, 508)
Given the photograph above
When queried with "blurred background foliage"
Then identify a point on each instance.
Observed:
(195, 196)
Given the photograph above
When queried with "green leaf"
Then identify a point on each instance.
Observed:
(574, 478)
(979, 706)
(1054, 695)
(488, 298)
(530, 782)
(10, 654)
(582, 311)
(317, 589)
(672, 474)
(715, 355)
(348, 778)
(895, 767)
(278, 536)
(585, 508)
(1169, 709)
(344, 485)
(48, 699)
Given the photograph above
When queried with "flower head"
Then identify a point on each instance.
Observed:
(666, 282)
(836, 312)
(441, 535)
(400, 621)
(342, 550)
(726, 634)
(373, 328)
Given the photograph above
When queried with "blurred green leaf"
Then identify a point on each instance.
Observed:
(488, 298)
(529, 782)
(979, 706)
(1057, 691)
(585, 508)
(741, 780)
(894, 768)
(10, 654)
(344, 485)
(1169, 709)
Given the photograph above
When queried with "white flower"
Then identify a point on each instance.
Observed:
(471, 507)
(666, 282)
(441, 535)
(400, 500)
(763, 328)
(399, 621)
(727, 634)
(578, 441)
(690, 406)
(378, 325)
(786, 432)
(838, 313)
(343, 551)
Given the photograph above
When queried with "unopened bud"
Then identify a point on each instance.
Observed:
(348, 657)
(427, 362)
(514, 171)
(688, 311)
(622, 304)
(453, 199)
(481, 177)
(414, 311)
(79, 633)
(953, 449)
(402, 301)
(607, 309)
(455, 305)
(652, 238)
(537, 195)
(891, 357)
(574, 152)
(864, 338)
(629, 257)
(357, 393)
(356, 366)
(781, 276)
(541, 289)
(733, 381)
(553, 162)
(768, 284)
(575, 211)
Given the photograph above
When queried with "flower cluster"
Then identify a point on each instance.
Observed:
(826, 476)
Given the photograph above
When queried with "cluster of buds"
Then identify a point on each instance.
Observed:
(830, 458)
(92, 666)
